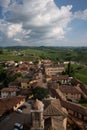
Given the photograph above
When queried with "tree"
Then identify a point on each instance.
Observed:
(40, 93)
(70, 70)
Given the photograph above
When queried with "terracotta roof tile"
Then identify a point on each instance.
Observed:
(53, 108)
(9, 90)
(60, 77)
(69, 89)
(9, 103)
(75, 107)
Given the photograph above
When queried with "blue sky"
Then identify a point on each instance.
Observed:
(43, 23)
(77, 4)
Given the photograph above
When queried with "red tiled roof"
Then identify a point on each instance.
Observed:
(9, 103)
(81, 85)
(74, 107)
(60, 77)
(69, 89)
(9, 90)
(53, 108)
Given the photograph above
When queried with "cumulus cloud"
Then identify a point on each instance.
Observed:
(35, 22)
(14, 29)
(81, 14)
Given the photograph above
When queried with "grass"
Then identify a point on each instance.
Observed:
(84, 104)
(81, 74)
(63, 54)
(10, 55)
(45, 54)
(81, 77)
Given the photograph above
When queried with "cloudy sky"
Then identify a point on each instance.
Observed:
(43, 22)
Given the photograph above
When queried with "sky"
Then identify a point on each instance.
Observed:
(43, 23)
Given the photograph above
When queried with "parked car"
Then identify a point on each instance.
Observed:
(19, 110)
(18, 126)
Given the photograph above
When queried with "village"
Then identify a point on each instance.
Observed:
(58, 109)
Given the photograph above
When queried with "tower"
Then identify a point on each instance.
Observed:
(37, 121)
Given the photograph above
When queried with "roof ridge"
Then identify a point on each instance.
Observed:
(52, 110)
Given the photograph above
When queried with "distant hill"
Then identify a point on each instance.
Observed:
(78, 54)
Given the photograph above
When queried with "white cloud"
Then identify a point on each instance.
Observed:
(13, 29)
(17, 40)
(36, 21)
(81, 14)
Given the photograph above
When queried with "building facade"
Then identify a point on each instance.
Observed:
(8, 92)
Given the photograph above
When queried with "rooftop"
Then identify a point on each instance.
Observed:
(7, 104)
(60, 77)
(75, 107)
(9, 89)
(69, 89)
(53, 108)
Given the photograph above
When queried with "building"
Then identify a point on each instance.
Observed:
(8, 92)
(63, 79)
(10, 104)
(25, 83)
(54, 114)
(70, 92)
(75, 110)
(48, 115)
(77, 114)
(54, 69)
(47, 62)
(14, 84)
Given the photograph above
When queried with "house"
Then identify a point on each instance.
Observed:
(8, 92)
(10, 63)
(77, 114)
(75, 110)
(70, 92)
(10, 104)
(80, 86)
(25, 83)
(63, 79)
(46, 62)
(54, 69)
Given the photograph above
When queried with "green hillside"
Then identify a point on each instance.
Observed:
(82, 75)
